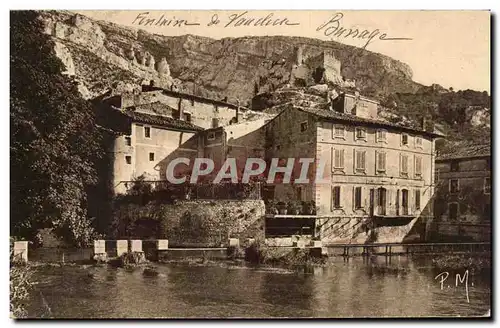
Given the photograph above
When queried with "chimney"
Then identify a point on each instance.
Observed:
(237, 110)
(423, 123)
(181, 110)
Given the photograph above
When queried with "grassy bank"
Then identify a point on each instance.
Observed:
(477, 263)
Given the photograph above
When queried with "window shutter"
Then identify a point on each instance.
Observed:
(342, 158)
(353, 199)
(363, 160)
(355, 159)
(332, 199)
(332, 158)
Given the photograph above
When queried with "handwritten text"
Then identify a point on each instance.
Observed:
(334, 28)
(458, 279)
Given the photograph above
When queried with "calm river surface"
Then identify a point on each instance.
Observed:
(355, 289)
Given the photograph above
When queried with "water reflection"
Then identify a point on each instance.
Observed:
(358, 288)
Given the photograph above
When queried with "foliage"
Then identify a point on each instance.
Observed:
(235, 252)
(449, 109)
(54, 140)
(20, 285)
(462, 262)
(259, 253)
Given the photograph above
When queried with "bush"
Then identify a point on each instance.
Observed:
(258, 253)
(235, 252)
(20, 286)
(130, 259)
(459, 262)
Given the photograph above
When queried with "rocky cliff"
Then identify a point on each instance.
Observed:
(104, 55)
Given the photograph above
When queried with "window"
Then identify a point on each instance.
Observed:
(418, 142)
(381, 136)
(487, 186)
(128, 141)
(187, 117)
(215, 122)
(453, 211)
(303, 126)
(404, 139)
(454, 166)
(336, 197)
(128, 159)
(380, 161)
(454, 186)
(278, 147)
(339, 132)
(357, 198)
(418, 166)
(147, 132)
(404, 165)
(436, 176)
(338, 160)
(360, 160)
(360, 134)
(151, 157)
(417, 199)
(211, 136)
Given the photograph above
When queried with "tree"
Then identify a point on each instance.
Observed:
(54, 139)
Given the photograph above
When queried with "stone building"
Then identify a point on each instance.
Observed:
(240, 141)
(144, 142)
(203, 112)
(375, 173)
(463, 193)
(155, 126)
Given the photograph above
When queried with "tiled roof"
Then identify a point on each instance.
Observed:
(336, 116)
(179, 94)
(167, 122)
(464, 151)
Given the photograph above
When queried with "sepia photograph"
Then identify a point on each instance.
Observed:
(250, 164)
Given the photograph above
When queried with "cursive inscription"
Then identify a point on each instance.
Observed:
(464, 279)
(243, 19)
(144, 19)
(334, 28)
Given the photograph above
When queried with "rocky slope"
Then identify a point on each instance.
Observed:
(103, 55)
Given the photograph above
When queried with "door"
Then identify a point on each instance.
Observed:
(404, 196)
(381, 200)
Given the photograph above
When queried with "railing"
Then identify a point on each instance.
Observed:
(410, 249)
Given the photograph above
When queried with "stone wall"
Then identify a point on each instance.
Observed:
(199, 223)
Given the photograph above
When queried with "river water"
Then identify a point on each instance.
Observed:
(358, 288)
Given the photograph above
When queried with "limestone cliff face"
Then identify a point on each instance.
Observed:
(102, 54)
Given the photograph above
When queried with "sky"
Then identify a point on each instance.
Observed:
(451, 48)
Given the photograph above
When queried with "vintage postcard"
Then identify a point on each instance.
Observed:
(250, 164)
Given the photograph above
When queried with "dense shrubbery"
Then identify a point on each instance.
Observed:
(476, 264)
(20, 285)
(445, 107)
(54, 140)
(258, 253)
